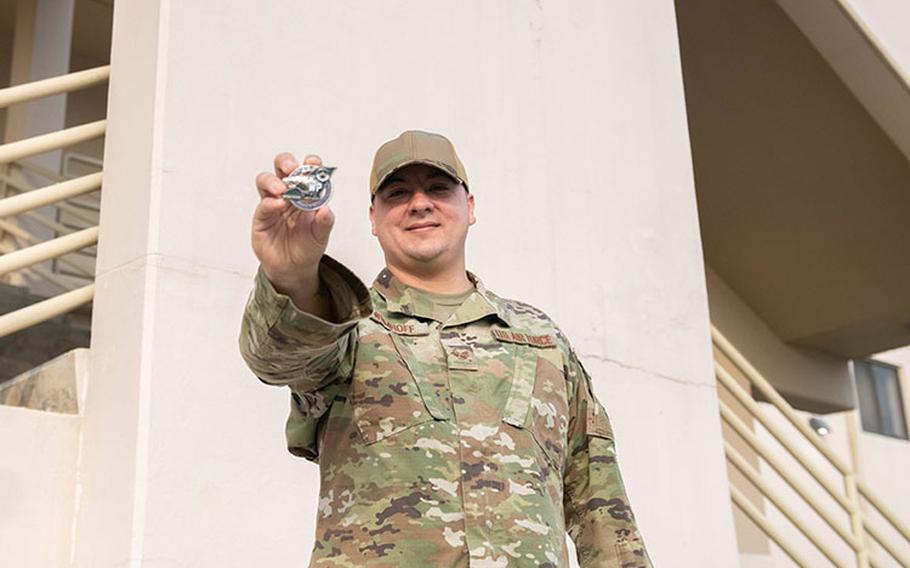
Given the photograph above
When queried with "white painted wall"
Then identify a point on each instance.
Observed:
(37, 486)
(884, 462)
(570, 119)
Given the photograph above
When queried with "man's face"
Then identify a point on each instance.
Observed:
(421, 217)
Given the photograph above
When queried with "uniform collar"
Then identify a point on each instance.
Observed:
(403, 299)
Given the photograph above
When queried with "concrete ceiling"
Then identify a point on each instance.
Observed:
(92, 24)
(93, 21)
(804, 202)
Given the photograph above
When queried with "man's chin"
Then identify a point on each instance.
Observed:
(425, 255)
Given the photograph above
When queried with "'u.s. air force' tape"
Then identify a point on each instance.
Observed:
(510, 336)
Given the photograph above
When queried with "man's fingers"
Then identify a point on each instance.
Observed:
(285, 163)
(323, 221)
(269, 210)
(268, 185)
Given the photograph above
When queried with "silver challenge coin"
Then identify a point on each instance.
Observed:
(309, 186)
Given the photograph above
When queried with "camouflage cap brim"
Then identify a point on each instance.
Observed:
(445, 168)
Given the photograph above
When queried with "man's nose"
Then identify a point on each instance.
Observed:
(420, 201)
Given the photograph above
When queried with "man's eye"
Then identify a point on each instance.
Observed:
(439, 188)
(395, 193)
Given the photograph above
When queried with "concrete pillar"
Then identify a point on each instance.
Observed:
(113, 460)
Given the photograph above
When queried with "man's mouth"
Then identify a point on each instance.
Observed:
(419, 227)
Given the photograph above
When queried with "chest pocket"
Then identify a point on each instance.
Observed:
(538, 401)
(387, 396)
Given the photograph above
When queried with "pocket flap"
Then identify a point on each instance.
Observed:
(385, 398)
(435, 403)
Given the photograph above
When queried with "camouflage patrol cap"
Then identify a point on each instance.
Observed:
(415, 147)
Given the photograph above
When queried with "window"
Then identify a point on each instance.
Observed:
(881, 407)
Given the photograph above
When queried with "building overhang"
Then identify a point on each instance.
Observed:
(802, 175)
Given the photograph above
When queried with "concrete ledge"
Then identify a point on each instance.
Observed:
(54, 386)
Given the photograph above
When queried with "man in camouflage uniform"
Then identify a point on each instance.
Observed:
(452, 427)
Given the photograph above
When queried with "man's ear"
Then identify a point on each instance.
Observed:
(373, 221)
(471, 218)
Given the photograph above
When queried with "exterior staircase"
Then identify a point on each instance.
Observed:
(33, 328)
(775, 455)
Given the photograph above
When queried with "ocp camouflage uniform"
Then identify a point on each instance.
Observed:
(471, 442)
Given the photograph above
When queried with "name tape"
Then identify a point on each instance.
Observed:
(510, 336)
(408, 328)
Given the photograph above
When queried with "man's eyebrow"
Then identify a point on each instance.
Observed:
(388, 181)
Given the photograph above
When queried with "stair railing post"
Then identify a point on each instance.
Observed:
(856, 520)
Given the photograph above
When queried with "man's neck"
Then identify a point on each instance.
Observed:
(449, 281)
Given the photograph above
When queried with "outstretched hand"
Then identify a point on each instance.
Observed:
(289, 241)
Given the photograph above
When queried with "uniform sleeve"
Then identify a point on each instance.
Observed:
(597, 511)
(283, 345)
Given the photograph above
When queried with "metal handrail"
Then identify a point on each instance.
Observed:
(768, 456)
(860, 525)
(746, 400)
(37, 270)
(763, 385)
(76, 212)
(20, 185)
(47, 250)
(49, 195)
(755, 478)
(751, 511)
(13, 151)
(54, 85)
(28, 198)
(22, 235)
(42, 311)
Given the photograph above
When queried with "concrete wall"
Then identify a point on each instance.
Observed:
(880, 457)
(39, 449)
(571, 123)
(37, 486)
